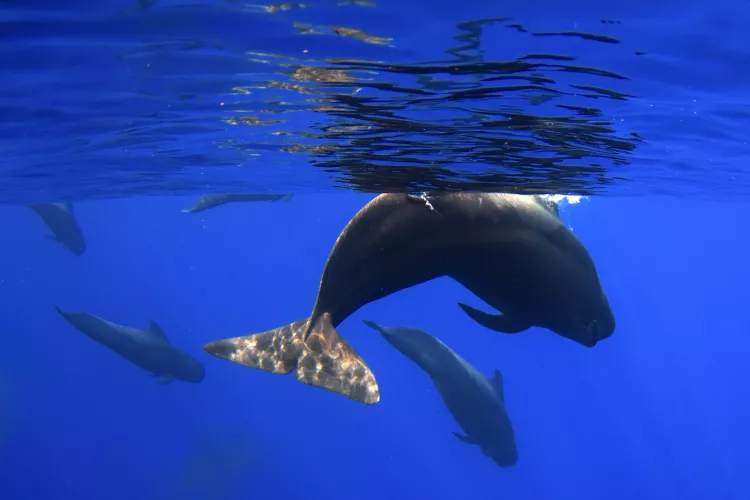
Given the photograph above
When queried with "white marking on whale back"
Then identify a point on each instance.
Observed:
(557, 198)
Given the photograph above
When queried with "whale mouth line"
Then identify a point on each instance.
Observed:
(592, 333)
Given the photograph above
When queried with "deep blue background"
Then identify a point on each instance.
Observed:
(659, 410)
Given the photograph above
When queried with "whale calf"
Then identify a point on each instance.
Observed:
(148, 349)
(511, 251)
(477, 403)
(61, 220)
(214, 200)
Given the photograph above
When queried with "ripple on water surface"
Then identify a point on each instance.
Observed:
(110, 99)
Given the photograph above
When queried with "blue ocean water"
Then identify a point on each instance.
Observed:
(131, 110)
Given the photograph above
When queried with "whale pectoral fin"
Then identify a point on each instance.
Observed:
(497, 384)
(323, 359)
(465, 439)
(166, 379)
(499, 322)
(53, 238)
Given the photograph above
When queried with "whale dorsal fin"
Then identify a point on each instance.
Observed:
(497, 384)
(155, 330)
(549, 204)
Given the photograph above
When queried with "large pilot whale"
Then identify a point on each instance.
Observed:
(148, 349)
(511, 251)
(477, 403)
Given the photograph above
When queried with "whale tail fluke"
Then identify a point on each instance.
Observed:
(325, 360)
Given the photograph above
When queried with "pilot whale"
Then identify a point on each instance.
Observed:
(61, 220)
(148, 349)
(214, 200)
(476, 402)
(512, 251)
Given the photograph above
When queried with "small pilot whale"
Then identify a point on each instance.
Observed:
(214, 200)
(512, 251)
(476, 402)
(61, 220)
(148, 349)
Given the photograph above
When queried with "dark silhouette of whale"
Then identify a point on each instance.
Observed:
(476, 402)
(512, 251)
(148, 349)
(214, 200)
(61, 220)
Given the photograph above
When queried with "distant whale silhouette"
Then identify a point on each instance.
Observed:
(512, 251)
(148, 349)
(476, 402)
(214, 200)
(61, 220)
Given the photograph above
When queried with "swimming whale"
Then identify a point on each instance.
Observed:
(511, 251)
(214, 200)
(61, 220)
(148, 349)
(477, 403)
